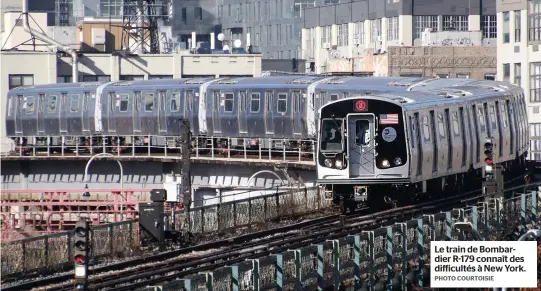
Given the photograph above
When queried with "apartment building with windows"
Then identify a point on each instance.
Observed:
(334, 32)
(519, 57)
(274, 26)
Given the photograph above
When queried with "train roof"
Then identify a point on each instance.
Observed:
(391, 84)
(160, 82)
(436, 97)
(55, 87)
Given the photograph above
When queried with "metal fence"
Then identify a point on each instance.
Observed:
(396, 255)
(121, 239)
(246, 212)
(53, 251)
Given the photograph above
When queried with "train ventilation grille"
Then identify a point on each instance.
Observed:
(120, 84)
(90, 84)
(195, 82)
(228, 82)
(400, 84)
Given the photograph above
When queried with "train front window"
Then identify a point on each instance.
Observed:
(362, 132)
(331, 135)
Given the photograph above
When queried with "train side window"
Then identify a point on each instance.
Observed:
(175, 101)
(323, 98)
(112, 98)
(412, 132)
(86, 97)
(228, 104)
(268, 98)
(74, 103)
(463, 130)
(52, 104)
(426, 129)
(504, 115)
(297, 100)
(163, 100)
(254, 103)
(137, 103)
(149, 102)
(30, 104)
(493, 116)
(456, 125)
(441, 126)
(362, 132)
(188, 100)
(334, 97)
(242, 102)
(10, 105)
(282, 103)
(124, 98)
(482, 120)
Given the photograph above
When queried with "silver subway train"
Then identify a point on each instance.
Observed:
(147, 112)
(392, 147)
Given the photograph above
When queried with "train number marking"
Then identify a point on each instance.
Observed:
(389, 134)
(360, 105)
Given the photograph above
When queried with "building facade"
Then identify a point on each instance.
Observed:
(274, 26)
(519, 57)
(334, 32)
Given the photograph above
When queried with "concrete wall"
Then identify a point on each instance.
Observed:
(106, 174)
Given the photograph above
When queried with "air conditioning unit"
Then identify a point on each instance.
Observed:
(327, 45)
(356, 41)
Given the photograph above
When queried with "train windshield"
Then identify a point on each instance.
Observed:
(331, 135)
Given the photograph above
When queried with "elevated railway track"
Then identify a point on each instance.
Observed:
(152, 270)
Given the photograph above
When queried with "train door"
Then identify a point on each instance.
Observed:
(41, 114)
(296, 111)
(85, 113)
(19, 114)
(137, 112)
(111, 122)
(269, 121)
(242, 112)
(162, 113)
(361, 145)
(63, 113)
(216, 105)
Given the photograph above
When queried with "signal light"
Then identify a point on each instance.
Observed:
(488, 152)
(79, 259)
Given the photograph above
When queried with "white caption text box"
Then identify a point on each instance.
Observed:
(483, 264)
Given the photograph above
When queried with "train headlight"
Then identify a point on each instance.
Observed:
(339, 164)
(397, 161)
(328, 163)
(385, 163)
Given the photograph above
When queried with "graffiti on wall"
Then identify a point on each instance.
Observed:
(456, 41)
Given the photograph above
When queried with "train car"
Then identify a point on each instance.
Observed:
(266, 113)
(392, 147)
(51, 114)
(133, 110)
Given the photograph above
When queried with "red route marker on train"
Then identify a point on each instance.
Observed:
(360, 105)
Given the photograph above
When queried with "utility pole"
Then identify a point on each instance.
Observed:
(184, 165)
(81, 250)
